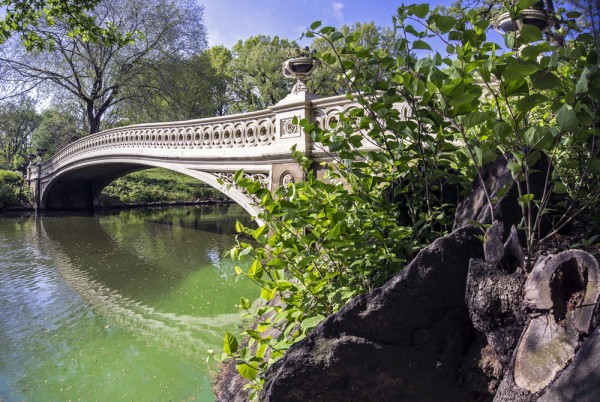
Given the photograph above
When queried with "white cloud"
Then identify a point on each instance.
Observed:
(337, 8)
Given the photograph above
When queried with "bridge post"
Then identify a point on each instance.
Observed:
(297, 105)
(35, 184)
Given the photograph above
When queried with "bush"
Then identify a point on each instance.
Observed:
(11, 189)
(324, 243)
(158, 185)
(8, 176)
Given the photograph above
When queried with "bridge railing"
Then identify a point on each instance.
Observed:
(215, 137)
(257, 135)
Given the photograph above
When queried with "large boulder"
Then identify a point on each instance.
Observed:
(404, 341)
(498, 180)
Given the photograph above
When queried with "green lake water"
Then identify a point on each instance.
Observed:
(120, 306)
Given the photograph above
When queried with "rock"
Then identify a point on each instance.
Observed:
(404, 341)
(493, 248)
(513, 257)
(503, 190)
(229, 385)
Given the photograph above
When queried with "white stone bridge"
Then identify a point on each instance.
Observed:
(210, 150)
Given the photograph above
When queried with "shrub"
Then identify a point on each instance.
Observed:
(325, 242)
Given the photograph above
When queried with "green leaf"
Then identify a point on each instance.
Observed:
(529, 33)
(559, 188)
(239, 227)
(335, 232)
(256, 270)
(463, 104)
(527, 103)
(593, 165)
(566, 118)
(502, 129)
(230, 343)
(573, 14)
(315, 25)
(247, 371)
(245, 303)
(524, 4)
(582, 83)
(443, 22)
(516, 70)
(266, 293)
(311, 322)
(539, 137)
(420, 10)
(515, 168)
(419, 44)
(517, 87)
(525, 199)
(545, 80)
(475, 118)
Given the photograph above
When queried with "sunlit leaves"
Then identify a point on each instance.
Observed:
(230, 343)
(339, 232)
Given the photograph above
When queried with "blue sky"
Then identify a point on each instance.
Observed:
(227, 21)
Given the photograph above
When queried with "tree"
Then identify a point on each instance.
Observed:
(18, 120)
(22, 16)
(220, 57)
(96, 72)
(177, 88)
(255, 75)
(57, 128)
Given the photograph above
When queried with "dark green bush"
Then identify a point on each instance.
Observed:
(8, 176)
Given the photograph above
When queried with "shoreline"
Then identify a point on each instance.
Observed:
(211, 201)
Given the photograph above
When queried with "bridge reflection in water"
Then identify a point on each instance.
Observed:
(95, 307)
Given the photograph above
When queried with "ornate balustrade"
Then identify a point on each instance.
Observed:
(204, 138)
(210, 150)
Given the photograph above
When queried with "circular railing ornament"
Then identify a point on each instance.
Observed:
(299, 69)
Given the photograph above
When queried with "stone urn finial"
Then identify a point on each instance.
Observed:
(299, 69)
(536, 16)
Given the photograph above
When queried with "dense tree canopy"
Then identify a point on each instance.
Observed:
(99, 73)
(57, 128)
(23, 16)
(18, 120)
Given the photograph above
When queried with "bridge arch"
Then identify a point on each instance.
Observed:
(207, 149)
(78, 185)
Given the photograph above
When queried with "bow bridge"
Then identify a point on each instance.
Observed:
(210, 150)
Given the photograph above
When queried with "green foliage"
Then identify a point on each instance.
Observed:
(18, 119)
(158, 185)
(10, 177)
(175, 88)
(11, 189)
(254, 72)
(57, 128)
(425, 127)
(22, 16)
(96, 74)
(329, 79)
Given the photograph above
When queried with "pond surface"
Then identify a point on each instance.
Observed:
(119, 306)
